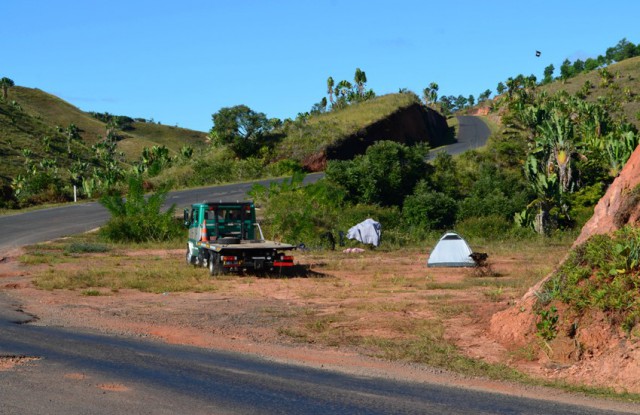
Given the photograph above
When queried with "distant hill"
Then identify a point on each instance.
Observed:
(30, 115)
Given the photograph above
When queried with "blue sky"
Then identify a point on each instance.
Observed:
(178, 62)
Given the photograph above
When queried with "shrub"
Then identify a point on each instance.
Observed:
(494, 193)
(285, 167)
(429, 209)
(384, 175)
(139, 219)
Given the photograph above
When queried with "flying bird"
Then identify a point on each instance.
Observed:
(538, 53)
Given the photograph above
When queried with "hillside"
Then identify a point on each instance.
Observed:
(620, 82)
(39, 114)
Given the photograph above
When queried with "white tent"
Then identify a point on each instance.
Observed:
(367, 232)
(451, 251)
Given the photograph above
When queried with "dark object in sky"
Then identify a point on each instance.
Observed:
(538, 53)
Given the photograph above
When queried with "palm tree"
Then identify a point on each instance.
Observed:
(330, 85)
(360, 79)
(6, 83)
(433, 95)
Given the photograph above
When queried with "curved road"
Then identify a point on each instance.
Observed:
(86, 372)
(472, 133)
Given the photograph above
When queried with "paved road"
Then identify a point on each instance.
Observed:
(90, 373)
(472, 133)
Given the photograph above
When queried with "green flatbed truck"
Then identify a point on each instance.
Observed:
(225, 237)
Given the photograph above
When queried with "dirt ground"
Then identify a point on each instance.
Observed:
(310, 320)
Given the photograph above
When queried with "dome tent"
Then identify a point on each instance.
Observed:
(451, 251)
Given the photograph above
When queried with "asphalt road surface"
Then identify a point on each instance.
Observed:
(76, 372)
(91, 373)
(472, 133)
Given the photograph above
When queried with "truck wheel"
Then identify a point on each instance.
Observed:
(189, 256)
(215, 267)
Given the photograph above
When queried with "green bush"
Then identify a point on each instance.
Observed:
(212, 170)
(429, 209)
(384, 175)
(494, 193)
(285, 167)
(139, 219)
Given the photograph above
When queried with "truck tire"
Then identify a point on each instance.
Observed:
(189, 256)
(215, 267)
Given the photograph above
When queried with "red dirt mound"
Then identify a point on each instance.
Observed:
(598, 353)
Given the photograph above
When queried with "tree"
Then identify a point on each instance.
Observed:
(433, 96)
(319, 107)
(500, 88)
(548, 74)
(5, 84)
(590, 64)
(240, 128)
(578, 66)
(484, 96)
(330, 85)
(623, 50)
(471, 100)
(360, 79)
(566, 70)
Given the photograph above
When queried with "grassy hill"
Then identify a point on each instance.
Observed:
(322, 130)
(51, 111)
(623, 87)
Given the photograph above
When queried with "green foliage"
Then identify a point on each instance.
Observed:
(547, 325)
(5, 84)
(602, 274)
(494, 192)
(121, 122)
(139, 219)
(240, 128)
(285, 167)
(429, 209)
(445, 178)
(297, 213)
(384, 175)
(583, 201)
(85, 247)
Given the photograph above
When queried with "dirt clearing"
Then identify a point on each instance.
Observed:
(380, 313)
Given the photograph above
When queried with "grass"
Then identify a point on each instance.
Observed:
(325, 129)
(112, 267)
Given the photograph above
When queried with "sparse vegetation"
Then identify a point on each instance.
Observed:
(602, 274)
